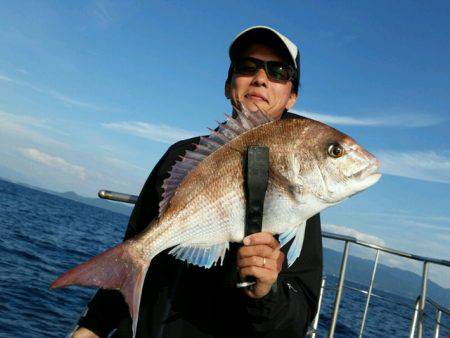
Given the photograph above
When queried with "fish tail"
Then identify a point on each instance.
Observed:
(120, 268)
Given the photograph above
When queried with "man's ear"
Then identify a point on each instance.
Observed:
(227, 90)
(291, 101)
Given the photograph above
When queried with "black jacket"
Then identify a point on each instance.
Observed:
(181, 300)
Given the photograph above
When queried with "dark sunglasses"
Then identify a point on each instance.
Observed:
(276, 71)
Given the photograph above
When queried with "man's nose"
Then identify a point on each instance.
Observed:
(260, 78)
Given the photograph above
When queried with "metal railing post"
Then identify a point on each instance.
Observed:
(412, 331)
(369, 294)
(337, 299)
(423, 299)
(438, 324)
(315, 323)
(117, 196)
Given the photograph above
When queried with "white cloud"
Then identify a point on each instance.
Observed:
(156, 132)
(404, 214)
(124, 165)
(355, 250)
(14, 127)
(5, 78)
(426, 166)
(52, 93)
(346, 231)
(444, 237)
(411, 121)
(101, 12)
(415, 224)
(23, 120)
(90, 172)
(71, 101)
(408, 219)
(54, 162)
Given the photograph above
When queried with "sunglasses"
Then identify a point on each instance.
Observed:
(276, 71)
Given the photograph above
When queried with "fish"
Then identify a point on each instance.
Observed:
(312, 166)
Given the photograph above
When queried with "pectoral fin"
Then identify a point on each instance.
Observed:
(298, 233)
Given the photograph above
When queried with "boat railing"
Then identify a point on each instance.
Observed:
(419, 310)
(437, 324)
(437, 320)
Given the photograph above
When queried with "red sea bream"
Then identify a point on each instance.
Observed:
(311, 167)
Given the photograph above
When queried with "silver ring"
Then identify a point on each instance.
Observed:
(264, 262)
(245, 284)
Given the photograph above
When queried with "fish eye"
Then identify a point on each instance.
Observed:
(335, 150)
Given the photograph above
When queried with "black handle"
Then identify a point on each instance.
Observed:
(255, 181)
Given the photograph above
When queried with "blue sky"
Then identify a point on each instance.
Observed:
(92, 94)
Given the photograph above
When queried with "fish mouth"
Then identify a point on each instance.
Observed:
(372, 169)
(367, 176)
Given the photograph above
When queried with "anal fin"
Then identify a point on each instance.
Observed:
(204, 256)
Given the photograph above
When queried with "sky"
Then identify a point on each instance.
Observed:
(93, 93)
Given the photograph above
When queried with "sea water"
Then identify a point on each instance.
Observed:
(43, 235)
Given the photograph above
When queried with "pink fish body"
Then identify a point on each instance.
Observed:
(311, 167)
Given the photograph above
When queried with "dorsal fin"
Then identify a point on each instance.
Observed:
(228, 130)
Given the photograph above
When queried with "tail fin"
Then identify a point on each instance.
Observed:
(117, 268)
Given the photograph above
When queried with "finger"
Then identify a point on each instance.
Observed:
(261, 274)
(280, 261)
(257, 250)
(262, 238)
(258, 261)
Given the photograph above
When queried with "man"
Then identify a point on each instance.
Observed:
(181, 300)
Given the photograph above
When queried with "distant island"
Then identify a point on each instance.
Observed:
(120, 208)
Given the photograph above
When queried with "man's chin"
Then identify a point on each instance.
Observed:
(254, 106)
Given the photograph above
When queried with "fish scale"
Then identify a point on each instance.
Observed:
(203, 204)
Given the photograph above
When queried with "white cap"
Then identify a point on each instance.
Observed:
(290, 46)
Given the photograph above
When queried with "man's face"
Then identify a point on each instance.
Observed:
(257, 90)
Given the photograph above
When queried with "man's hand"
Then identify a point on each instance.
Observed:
(84, 333)
(260, 257)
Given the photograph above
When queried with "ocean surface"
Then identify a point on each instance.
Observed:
(42, 235)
